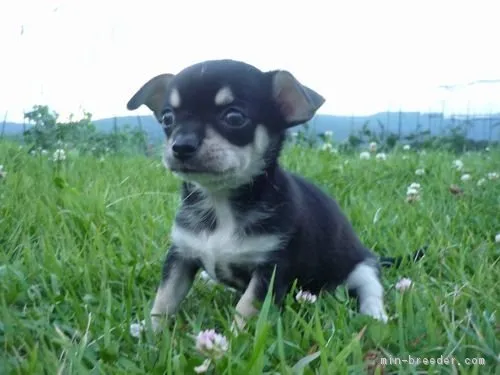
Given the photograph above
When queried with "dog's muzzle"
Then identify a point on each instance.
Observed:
(183, 155)
(185, 146)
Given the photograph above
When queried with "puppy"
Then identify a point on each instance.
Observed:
(243, 219)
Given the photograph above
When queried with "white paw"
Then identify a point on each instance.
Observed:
(374, 307)
(238, 325)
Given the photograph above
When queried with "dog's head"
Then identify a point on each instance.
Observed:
(225, 120)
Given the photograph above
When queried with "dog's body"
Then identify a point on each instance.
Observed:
(242, 216)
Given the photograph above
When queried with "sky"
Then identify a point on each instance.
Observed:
(362, 56)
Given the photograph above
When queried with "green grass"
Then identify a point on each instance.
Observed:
(82, 246)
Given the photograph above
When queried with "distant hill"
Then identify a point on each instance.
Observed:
(404, 123)
(480, 127)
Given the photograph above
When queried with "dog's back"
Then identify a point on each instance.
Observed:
(323, 246)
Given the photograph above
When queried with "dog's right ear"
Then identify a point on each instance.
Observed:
(152, 94)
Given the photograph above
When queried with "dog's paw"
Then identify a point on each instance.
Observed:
(374, 307)
(238, 325)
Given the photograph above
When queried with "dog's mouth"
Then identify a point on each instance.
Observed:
(207, 174)
(186, 169)
(206, 177)
(189, 169)
(192, 171)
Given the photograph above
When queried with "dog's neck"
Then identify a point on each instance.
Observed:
(246, 194)
(250, 198)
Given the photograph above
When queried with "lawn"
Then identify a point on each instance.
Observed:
(82, 243)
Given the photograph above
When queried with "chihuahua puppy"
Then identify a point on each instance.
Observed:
(243, 218)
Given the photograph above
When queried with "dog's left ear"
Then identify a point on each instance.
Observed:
(152, 94)
(296, 102)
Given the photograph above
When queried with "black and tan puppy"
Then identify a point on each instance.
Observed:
(242, 216)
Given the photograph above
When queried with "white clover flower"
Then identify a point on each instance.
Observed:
(497, 238)
(465, 177)
(365, 155)
(373, 146)
(326, 146)
(458, 164)
(44, 152)
(137, 328)
(412, 191)
(481, 181)
(420, 172)
(406, 147)
(329, 147)
(487, 149)
(403, 284)
(493, 176)
(211, 344)
(415, 185)
(206, 278)
(3, 173)
(59, 155)
(305, 296)
(381, 156)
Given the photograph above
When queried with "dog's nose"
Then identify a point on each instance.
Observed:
(185, 146)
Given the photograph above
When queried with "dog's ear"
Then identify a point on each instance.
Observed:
(296, 102)
(152, 94)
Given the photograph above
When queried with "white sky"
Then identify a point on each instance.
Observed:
(363, 56)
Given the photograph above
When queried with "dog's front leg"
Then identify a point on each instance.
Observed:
(177, 279)
(245, 308)
(256, 291)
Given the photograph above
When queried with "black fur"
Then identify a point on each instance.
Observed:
(322, 247)
(319, 247)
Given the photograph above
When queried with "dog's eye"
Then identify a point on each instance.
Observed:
(234, 118)
(168, 118)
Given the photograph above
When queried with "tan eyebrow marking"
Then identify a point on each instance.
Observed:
(175, 98)
(224, 96)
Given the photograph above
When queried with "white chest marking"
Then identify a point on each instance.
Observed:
(226, 244)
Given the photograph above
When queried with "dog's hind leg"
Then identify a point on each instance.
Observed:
(365, 282)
